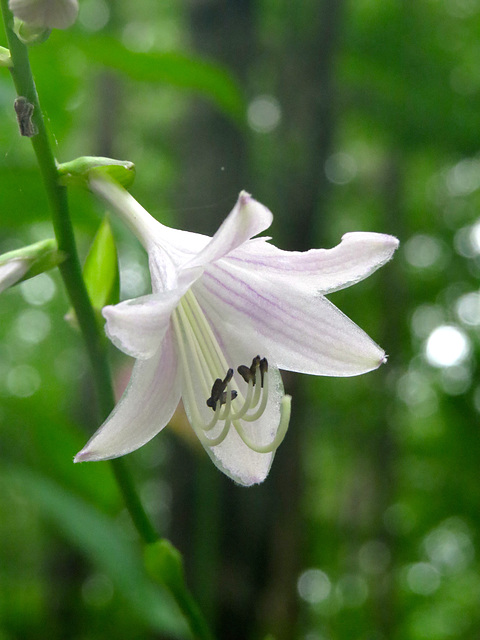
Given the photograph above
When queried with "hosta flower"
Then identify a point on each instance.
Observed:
(225, 313)
(11, 272)
(28, 262)
(52, 14)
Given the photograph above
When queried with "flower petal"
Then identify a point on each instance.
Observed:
(55, 14)
(244, 465)
(145, 408)
(178, 246)
(357, 256)
(304, 332)
(12, 271)
(137, 327)
(247, 219)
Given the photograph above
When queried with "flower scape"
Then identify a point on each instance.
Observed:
(225, 314)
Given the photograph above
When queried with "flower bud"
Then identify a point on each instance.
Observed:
(27, 262)
(52, 14)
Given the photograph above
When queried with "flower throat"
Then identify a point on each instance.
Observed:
(203, 359)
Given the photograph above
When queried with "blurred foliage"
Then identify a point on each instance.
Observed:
(387, 495)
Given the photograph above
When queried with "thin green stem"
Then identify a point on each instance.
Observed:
(72, 276)
(191, 611)
(138, 515)
(70, 269)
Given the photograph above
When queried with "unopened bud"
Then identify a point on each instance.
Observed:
(27, 262)
(50, 14)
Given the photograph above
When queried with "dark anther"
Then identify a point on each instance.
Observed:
(218, 391)
(249, 373)
(246, 374)
(263, 368)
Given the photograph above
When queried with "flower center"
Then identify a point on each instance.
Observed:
(203, 361)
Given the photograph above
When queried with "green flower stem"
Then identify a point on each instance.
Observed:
(72, 276)
(164, 564)
(137, 512)
(70, 269)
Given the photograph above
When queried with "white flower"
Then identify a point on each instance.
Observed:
(28, 262)
(217, 304)
(12, 271)
(52, 14)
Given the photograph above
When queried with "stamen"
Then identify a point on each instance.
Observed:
(263, 368)
(263, 404)
(285, 410)
(218, 391)
(201, 356)
(249, 373)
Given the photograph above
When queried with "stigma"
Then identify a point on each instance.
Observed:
(219, 397)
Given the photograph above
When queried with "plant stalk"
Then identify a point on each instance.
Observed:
(70, 269)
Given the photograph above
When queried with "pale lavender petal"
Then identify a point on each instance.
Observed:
(357, 256)
(145, 408)
(233, 456)
(247, 219)
(55, 14)
(137, 326)
(175, 246)
(303, 332)
(12, 271)
(163, 271)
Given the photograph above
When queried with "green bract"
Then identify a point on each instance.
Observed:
(30, 33)
(77, 172)
(5, 57)
(100, 271)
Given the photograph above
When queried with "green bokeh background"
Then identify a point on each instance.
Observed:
(340, 116)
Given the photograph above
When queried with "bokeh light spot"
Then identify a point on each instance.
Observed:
(33, 326)
(93, 14)
(138, 36)
(423, 251)
(464, 177)
(264, 114)
(314, 586)
(447, 346)
(23, 381)
(450, 547)
(423, 578)
(38, 290)
(340, 168)
(468, 308)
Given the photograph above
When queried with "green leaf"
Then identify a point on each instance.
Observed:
(100, 271)
(207, 78)
(104, 542)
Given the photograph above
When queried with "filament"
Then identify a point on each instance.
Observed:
(203, 361)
